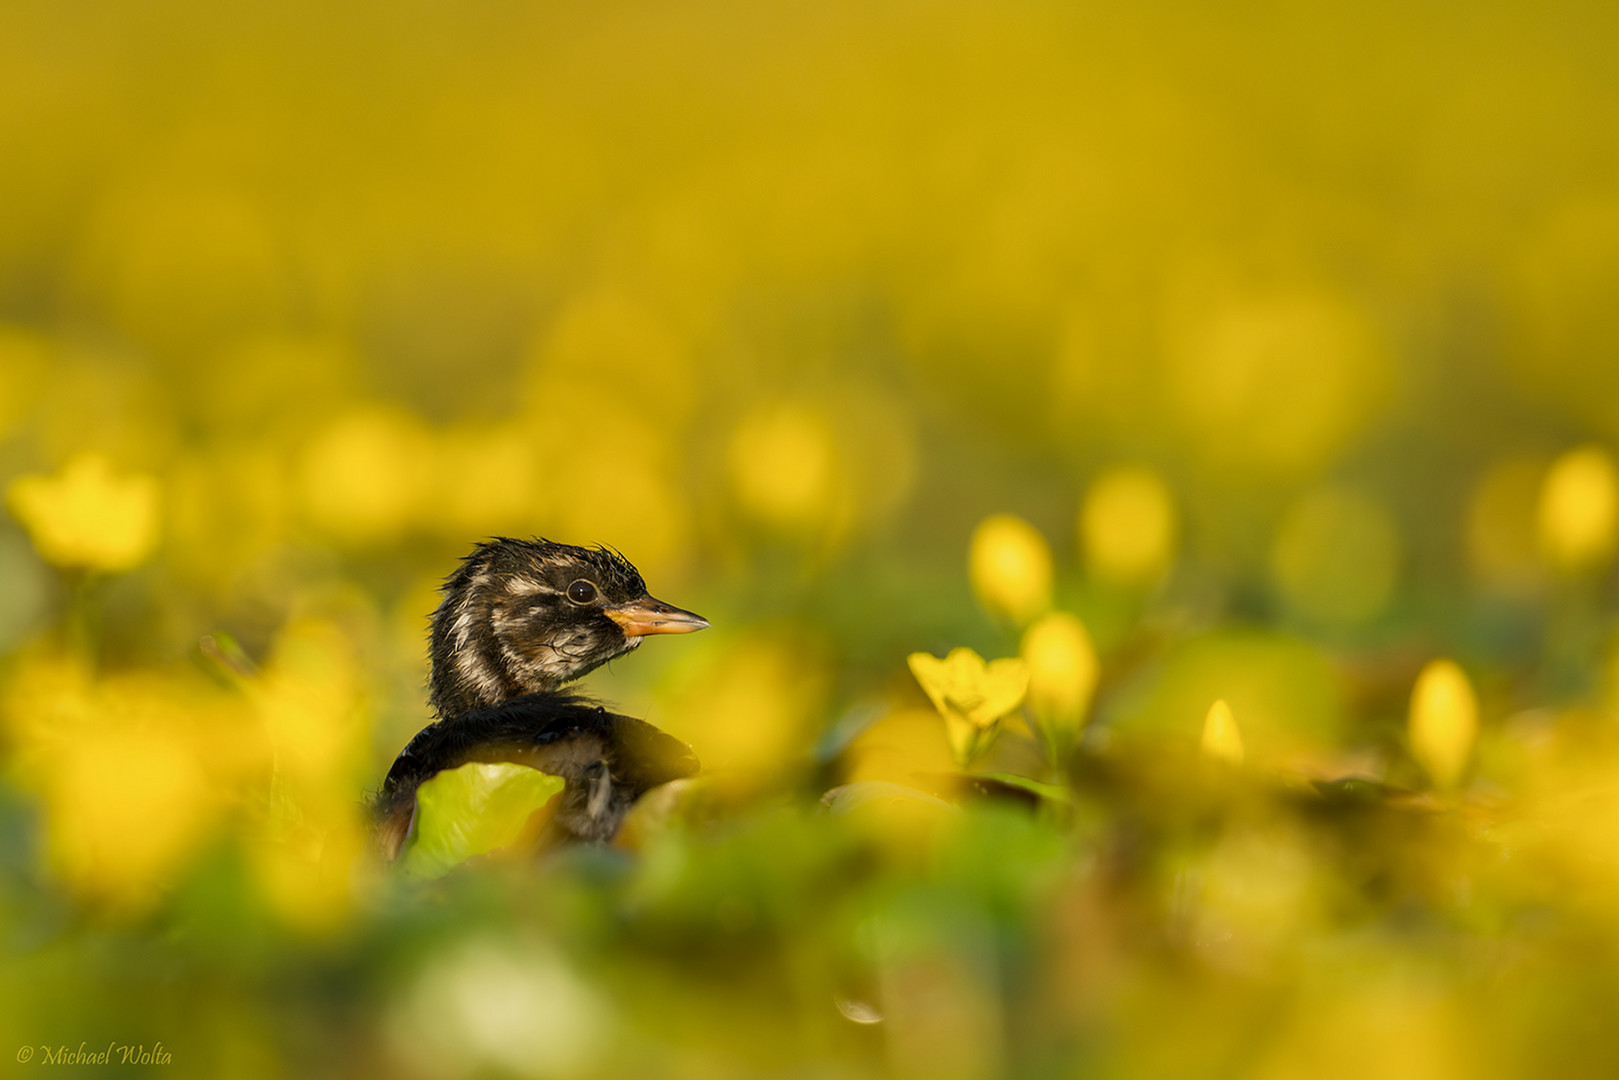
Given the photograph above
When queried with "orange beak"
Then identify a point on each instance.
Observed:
(649, 616)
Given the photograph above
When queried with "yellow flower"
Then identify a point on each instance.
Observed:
(971, 695)
(369, 475)
(133, 772)
(88, 517)
(1062, 671)
(1444, 722)
(126, 809)
(1127, 526)
(784, 467)
(1579, 509)
(1010, 567)
(1221, 739)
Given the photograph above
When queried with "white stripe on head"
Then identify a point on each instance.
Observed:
(518, 585)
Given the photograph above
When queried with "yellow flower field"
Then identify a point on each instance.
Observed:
(1150, 470)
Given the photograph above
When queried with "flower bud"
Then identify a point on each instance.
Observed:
(1010, 567)
(1221, 739)
(1127, 526)
(1444, 722)
(1062, 671)
(1578, 514)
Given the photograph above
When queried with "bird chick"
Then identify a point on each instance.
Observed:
(523, 616)
(519, 619)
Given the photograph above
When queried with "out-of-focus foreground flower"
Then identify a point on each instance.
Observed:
(89, 516)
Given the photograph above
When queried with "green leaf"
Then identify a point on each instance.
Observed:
(473, 810)
(1049, 792)
(865, 793)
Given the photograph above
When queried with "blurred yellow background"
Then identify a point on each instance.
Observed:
(1265, 354)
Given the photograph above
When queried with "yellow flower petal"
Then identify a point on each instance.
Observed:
(1578, 515)
(1221, 739)
(86, 516)
(784, 467)
(1128, 526)
(964, 685)
(1444, 721)
(1010, 567)
(1062, 670)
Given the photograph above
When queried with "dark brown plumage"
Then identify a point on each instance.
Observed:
(519, 619)
(607, 761)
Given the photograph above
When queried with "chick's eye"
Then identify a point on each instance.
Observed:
(581, 592)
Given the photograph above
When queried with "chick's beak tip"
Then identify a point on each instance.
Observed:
(639, 618)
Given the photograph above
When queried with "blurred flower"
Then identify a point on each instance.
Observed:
(1221, 739)
(133, 772)
(310, 865)
(86, 516)
(783, 466)
(1443, 722)
(971, 695)
(365, 477)
(1127, 526)
(310, 699)
(1578, 515)
(311, 704)
(1278, 381)
(897, 747)
(1010, 566)
(126, 806)
(1336, 556)
(1062, 670)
